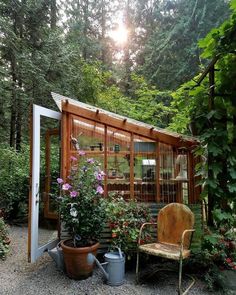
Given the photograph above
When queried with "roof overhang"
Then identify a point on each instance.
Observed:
(77, 108)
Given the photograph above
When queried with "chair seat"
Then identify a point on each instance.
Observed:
(169, 251)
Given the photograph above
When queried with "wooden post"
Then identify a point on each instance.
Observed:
(64, 144)
(191, 198)
(105, 161)
(68, 148)
(158, 187)
(197, 187)
(132, 167)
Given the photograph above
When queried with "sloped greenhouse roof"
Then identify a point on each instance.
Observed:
(60, 100)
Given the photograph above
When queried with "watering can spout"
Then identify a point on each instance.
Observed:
(91, 259)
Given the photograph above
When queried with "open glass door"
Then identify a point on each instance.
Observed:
(43, 229)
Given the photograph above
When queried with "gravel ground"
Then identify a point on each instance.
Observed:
(17, 276)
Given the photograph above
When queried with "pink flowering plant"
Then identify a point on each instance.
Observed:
(82, 206)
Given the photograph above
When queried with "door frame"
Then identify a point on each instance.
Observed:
(35, 251)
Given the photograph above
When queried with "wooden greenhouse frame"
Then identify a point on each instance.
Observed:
(139, 137)
(141, 162)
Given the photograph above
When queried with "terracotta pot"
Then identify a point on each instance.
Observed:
(75, 260)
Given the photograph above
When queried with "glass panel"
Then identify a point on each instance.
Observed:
(168, 184)
(89, 135)
(173, 175)
(54, 173)
(145, 169)
(118, 162)
(49, 171)
(118, 140)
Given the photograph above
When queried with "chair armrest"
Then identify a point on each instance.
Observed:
(183, 236)
(142, 227)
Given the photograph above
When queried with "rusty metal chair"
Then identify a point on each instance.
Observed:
(174, 234)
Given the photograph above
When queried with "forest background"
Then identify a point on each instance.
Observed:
(67, 47)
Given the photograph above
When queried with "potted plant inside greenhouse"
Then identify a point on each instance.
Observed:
(82, 211)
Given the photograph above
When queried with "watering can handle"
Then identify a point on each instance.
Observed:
(120, 253)
(59, 245)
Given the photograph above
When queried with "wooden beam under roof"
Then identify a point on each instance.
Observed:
(103, 118)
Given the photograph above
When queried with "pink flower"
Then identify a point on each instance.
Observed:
(99, 175)
(73, 158)
(99, 190)
(81, 153)
(73, 194)
(228, 260)
(60, 180)
(90, 161)
(66, 186)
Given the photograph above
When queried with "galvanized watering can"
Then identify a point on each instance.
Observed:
(57, 255)
(113, 268)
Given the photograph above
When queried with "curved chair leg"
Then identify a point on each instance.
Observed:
(137, 267)
(190, 286)
(180, 292)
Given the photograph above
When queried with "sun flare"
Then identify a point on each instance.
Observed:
(120, 35)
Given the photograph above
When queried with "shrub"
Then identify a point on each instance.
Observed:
(125, 219)
(14, 178)
(82, 207)
(219, 247)
(4, 248)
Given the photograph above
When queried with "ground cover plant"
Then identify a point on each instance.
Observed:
(4, 239)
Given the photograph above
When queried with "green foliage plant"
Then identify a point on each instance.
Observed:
(81, 205)
(218, 249)
(14, 178)
(4, 241)
(214, 123)
(125, 219)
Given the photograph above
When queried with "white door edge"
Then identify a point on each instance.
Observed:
(36, 251)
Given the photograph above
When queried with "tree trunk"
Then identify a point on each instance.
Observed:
(53, 11)
(18, 125)
(85, 30)
(13, 103)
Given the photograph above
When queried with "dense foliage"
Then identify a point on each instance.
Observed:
(171, 55)
(213, 117)
(125, 219)
(14, 178)
(66, 47)
(209, 111)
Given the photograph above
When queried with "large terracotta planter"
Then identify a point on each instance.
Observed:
(75, 260)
